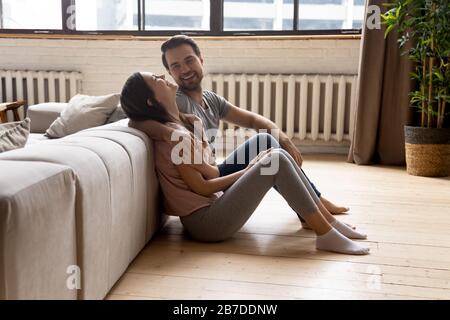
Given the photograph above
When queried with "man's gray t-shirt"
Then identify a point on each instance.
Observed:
(216, 107)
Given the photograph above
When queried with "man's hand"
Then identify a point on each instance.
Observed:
(248, 119)
(293, 151)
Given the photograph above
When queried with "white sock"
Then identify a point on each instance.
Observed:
(336, 242)
(347, 231)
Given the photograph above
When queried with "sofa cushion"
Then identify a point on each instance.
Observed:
(83, 112)
(126, 227)
(113, 223)
(34, 138)
(92, 208)
(155, 219)
(37, 228)
(42, 115)
(14, 135)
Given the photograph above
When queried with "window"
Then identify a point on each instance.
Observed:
(279, 14)
(106, 15)
(30, 14)
(258, 15)
(329, 14)
(177, 15)
(197, 17)
(156, 15)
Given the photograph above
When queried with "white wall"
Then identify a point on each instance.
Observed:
(105, 64)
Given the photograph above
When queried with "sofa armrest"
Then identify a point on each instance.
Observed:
(42, 115)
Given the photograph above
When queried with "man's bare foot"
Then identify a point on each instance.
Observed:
(334, 209)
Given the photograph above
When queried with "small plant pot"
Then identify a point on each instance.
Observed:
(427, 151)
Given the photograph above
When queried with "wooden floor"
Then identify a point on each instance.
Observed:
(407, 219)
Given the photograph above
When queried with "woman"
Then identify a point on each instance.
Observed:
(213, 208)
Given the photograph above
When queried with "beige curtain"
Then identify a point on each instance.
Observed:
(382, 107)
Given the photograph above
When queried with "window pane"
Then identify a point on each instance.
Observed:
(177, 14)
(31, 14)
(106, 15)
(357, 24)
(258, 15)
(330, 14)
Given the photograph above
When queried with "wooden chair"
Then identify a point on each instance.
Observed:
(10, 106)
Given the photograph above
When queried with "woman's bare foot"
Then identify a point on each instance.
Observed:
(334, 209)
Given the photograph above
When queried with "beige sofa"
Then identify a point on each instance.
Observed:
(90, 200)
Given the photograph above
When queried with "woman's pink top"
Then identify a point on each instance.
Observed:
(179, 199)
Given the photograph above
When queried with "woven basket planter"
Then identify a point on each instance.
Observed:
(427, 151)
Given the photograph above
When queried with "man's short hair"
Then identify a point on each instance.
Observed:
(175, 42)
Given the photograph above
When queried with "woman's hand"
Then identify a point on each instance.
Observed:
(258, 157)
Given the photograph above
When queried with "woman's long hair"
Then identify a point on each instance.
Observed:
(134, 97)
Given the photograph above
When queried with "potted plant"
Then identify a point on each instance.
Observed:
(424, 34)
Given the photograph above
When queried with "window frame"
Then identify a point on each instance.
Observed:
(216, 26)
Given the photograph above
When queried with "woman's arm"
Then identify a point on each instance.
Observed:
(195, 180)
(207, 170)
(158, 131)
(200, 185)
(199, 152)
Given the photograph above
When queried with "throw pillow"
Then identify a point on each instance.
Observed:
(117, 115)
(83, 112)
(14, 135)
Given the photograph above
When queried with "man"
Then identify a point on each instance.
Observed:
(183, 60)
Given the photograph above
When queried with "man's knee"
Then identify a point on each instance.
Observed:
(268, 140)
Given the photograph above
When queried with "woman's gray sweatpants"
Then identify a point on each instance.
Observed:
(230, 212)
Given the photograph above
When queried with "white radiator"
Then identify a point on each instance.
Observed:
(311, 109)
(38, 86)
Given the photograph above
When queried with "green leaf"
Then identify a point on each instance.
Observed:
(388, 29)
(439, 76)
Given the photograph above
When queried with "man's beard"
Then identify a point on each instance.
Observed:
(194, 86)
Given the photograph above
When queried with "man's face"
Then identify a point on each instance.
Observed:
(185, 67)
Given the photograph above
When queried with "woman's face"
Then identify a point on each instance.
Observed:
(164, 90)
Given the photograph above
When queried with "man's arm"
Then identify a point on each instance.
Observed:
(153, 129)
(251, 120)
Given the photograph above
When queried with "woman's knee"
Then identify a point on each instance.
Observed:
(278, 156)
(287, 154)
(281, 153)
